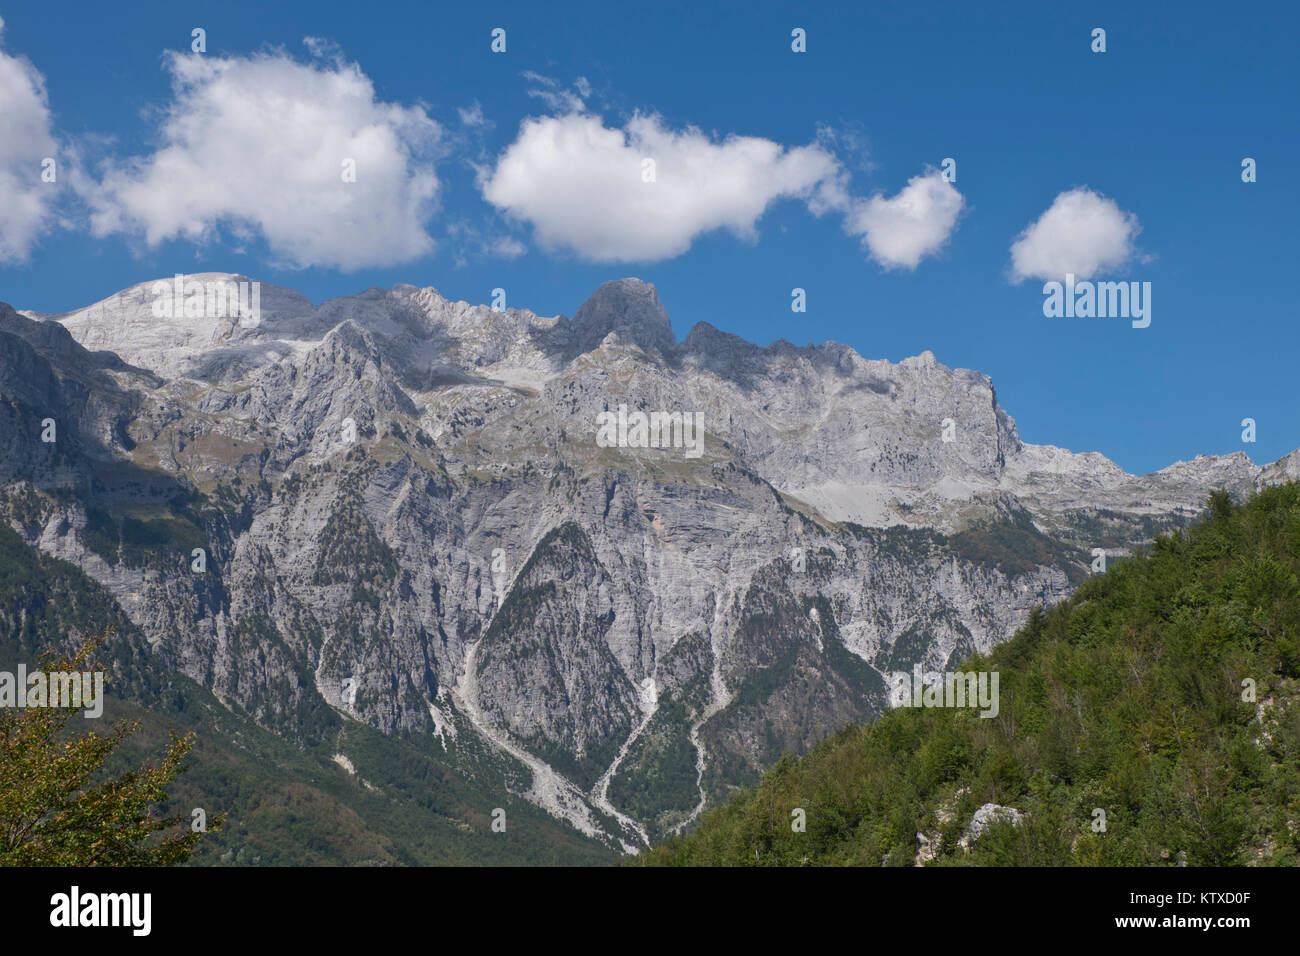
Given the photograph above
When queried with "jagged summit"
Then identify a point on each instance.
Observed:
(629, 307)
(925, 360)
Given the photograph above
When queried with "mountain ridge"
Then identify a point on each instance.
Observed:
(617, 307)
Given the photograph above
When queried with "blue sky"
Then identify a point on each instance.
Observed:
(1154, 129)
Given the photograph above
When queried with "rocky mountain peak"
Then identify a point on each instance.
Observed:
(629, 307)
(704, 337)
(925, 360)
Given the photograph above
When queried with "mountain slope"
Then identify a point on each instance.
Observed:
(346, 795)
(1123, 705)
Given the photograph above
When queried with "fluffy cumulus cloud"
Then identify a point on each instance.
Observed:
(1082, 232)
(899, 231)
(264, 146)
(589, 188)
(26, 201)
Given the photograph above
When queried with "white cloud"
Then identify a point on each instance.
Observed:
(902, 230)
(580, 184)
(1082, 232)
(467, 242)
(472, 116)
(555, 96)
(25, 140)
(257, 145)
(506, 247)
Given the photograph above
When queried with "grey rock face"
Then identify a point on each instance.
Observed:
(629, 308)
(984, 817)
(408, 513)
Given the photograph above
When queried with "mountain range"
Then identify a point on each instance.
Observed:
(395, 514)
